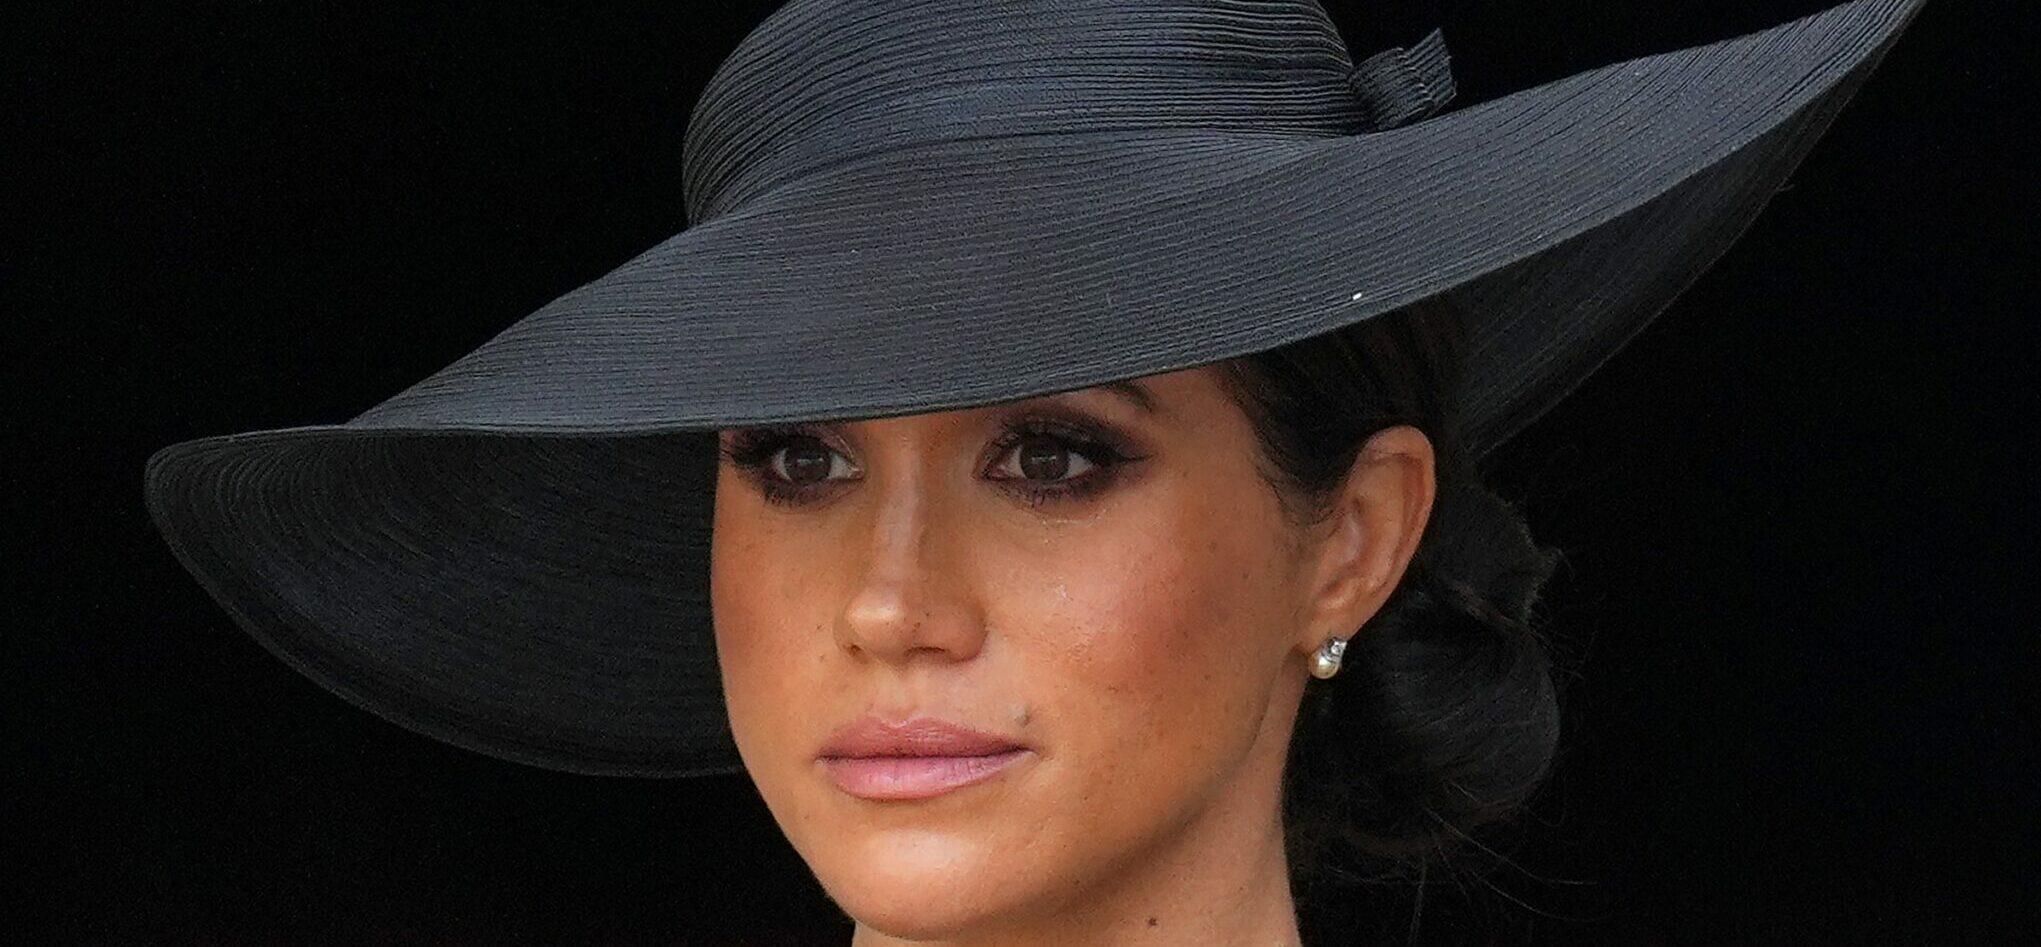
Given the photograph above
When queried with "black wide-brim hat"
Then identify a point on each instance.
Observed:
(903, 207)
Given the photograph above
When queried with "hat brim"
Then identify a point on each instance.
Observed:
(511, 555)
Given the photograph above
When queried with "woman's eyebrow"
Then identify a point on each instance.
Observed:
(1134, 392)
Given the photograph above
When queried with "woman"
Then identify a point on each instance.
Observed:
(1054, 484)
(1108, 604)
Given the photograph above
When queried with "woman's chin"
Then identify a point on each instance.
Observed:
(919, 884)
(931, 915)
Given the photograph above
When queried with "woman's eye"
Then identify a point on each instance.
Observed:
(1045, 458)
(787, 466)
(1042, 465)
(806, 461)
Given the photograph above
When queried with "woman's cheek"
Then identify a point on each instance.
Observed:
(757, 663)
(1141, 658)
(1168, 676)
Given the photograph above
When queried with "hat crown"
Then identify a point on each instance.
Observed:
(821, 82)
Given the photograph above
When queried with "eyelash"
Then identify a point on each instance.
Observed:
(751, 449)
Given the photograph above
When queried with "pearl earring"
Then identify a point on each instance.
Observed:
(1325, 663)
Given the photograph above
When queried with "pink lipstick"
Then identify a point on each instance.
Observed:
(919, 758)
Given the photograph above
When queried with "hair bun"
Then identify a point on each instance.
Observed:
(1480, 542)
(1444, 717)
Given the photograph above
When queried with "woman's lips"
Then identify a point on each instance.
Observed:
(875, 758)
(915, 777)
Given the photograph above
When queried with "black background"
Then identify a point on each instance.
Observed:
(1799, 508)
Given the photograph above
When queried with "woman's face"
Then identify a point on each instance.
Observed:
(1106, 584)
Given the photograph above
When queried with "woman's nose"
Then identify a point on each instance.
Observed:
(914, 595)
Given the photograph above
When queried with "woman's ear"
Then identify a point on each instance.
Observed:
(1367, 542)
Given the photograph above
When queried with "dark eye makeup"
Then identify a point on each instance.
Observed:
(754, 449)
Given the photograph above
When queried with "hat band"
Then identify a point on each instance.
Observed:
(1399, 86)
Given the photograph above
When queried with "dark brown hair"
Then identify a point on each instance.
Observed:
(1444, 716)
